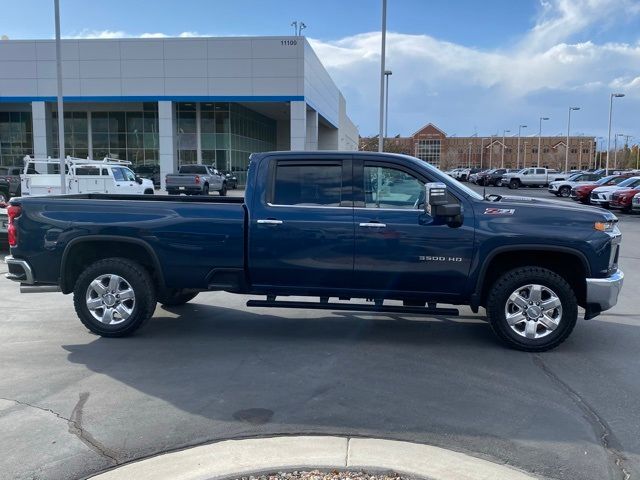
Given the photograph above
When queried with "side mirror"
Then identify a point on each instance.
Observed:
(139, 180)
(437, 204)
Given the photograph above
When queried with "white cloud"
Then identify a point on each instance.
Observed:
(544, 63)
(109, 34)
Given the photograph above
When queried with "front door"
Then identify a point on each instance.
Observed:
(301, 229)
(398, 247)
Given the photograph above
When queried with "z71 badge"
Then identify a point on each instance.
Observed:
(499, 211)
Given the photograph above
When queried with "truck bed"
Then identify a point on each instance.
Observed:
(191, 237)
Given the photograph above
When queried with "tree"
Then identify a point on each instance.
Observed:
(391, 145)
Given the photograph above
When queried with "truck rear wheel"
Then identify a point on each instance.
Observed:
(173, 297)
(532, 309)
(114, 297)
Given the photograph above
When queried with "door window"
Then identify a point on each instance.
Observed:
(129, 175)
(390, 188)
(308, 185)
(118, 174)
(539, 171)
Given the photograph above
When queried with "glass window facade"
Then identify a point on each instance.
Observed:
(229, 133)
(429, 151)
(127, 135)
(16, 137)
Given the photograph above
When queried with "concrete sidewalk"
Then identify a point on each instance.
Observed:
(235, 458)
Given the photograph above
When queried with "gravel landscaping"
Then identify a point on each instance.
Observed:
(332, 475)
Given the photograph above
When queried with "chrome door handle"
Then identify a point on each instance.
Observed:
(269, 221)
(373, 224)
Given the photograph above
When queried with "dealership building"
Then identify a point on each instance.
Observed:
(170, 101)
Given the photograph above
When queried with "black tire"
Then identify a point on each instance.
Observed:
(564, 191)
(141, 284)
(498, 182)
(513, 280)
(173, 297)
(205, 189)
(223, 190)
(148, 191)
(514, 184)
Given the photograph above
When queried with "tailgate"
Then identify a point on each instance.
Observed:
(185, 180)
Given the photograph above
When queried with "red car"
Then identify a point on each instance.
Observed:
(581, 193)
(623, 198)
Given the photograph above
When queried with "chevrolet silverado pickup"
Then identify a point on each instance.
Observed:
(389, 232)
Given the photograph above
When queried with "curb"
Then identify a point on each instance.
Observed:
(235, 458)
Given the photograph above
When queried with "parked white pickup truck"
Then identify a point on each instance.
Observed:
(42, 177)
(532, 177)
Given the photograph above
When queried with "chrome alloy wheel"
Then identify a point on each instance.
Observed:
(110, 299)
(533, 311)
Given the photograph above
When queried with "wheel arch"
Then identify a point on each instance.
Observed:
(78, 253)
(504, 258)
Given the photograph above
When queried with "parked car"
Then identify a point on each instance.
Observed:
(622, 199)
(196, 180)
(473, 175)
(635, 204)
(601, 196)
(433, 240)
(5, 191)
(532, 177)
(12, 177)
(152, 172)
(562, 188)
(4, 220)
(494, 176)
(42, 177)
(232, 180)
(582, 193)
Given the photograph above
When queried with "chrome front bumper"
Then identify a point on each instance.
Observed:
(603, 292)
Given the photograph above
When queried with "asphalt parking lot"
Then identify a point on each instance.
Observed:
(73, 403)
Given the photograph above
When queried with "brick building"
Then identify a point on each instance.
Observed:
(434, 146)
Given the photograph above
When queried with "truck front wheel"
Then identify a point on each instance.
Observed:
(173, 297)
(532, 309)
(514, 184)
(114, 297)
(223, 190)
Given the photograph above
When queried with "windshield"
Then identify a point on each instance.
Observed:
(193, 169)
(575, 177)
(629, 182)
(604, 180)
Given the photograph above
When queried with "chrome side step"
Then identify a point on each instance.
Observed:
(355, 307)
(39, 288)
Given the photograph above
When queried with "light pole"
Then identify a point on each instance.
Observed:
(524, 160)
(383, 47)
(491, 152)
(611, 97)
(520, 127)
(387, 74)
(504, 133)
(580, 156)
(63, 182)
(469, 157)
(482, 151)
(540, 138)
(566, 150)
(615, 149)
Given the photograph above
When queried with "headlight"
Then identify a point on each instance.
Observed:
(606, 226)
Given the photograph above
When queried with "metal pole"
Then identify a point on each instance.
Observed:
(615, 151)
(580, 157)
(566, 153)
(520, 127)
(491, 152)
(524, 160)
(540, 138)
(63, 181)
(504, 132)
(611, 97)
(469, 157)
(382, 61)
(482, 150)
(387, 73)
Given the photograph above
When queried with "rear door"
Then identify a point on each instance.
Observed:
(301, 227)
(398, 247)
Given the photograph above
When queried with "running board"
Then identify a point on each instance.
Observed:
(355, 307)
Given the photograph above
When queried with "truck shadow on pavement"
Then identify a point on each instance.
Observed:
(230, 373)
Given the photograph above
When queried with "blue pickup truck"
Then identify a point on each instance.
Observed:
(390, 230)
